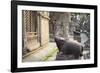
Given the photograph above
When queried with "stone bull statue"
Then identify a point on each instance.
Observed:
(69, 47)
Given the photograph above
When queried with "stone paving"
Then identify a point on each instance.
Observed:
(44, 54)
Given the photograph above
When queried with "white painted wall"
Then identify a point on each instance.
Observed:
(5, 37)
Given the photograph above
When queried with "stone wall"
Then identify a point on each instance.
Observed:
(35, 29)
(44, 27)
